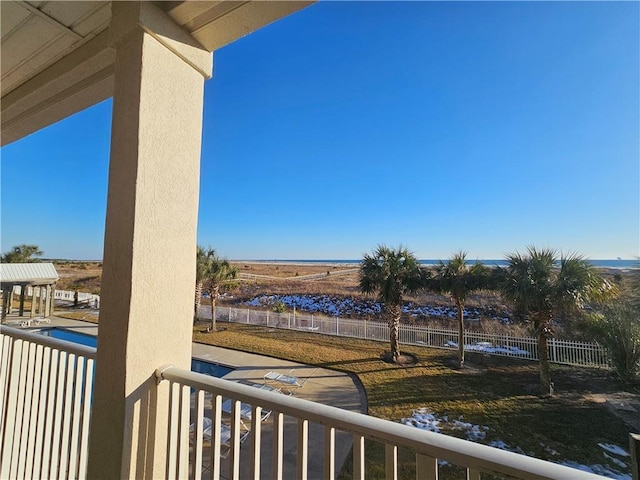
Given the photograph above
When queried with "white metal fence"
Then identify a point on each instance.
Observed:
(83, 297)
(560, 351)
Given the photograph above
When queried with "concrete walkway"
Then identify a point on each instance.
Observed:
(320, 385)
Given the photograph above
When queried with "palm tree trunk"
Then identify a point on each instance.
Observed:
(197, 301)
(460, 307)
(394, 331)
(543, 360)
(214, 295)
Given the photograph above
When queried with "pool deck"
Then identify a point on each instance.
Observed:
(320, 385)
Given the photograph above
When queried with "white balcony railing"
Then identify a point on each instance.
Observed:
(45, 395)
(216, 427)
(197, 405)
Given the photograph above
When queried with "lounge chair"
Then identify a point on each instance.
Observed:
(246, 411)
(269, 388)
(286, 379)
(225, 435)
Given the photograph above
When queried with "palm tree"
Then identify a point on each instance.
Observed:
(391, 274)
(458, 279)
(22, 254)
(540, 284)
(219, 272)
(204, 260)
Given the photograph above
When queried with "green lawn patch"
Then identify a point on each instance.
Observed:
(494, 392)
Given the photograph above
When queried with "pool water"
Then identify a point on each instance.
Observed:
(199, 366)
(208, 368)
(70, 336)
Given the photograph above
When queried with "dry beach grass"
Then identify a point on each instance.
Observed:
(84, 276)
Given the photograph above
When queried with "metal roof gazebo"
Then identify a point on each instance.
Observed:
(36, 280)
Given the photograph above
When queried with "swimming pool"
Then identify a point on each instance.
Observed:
(199, 366)
(70, 336)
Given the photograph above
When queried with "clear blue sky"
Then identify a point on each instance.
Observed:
(437, 125)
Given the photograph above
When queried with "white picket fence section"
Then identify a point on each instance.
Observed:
(83, 297)
(65, 295)
(560, 351)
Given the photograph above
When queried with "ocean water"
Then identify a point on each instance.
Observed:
(620, 264)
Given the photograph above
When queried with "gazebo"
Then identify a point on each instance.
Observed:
(37, 280)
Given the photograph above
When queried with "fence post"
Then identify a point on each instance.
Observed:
(312, 321)
(247, 315)
(290, 320)
(267, 318)
(634, 450)
(294, 317)
(229, 312)
(365, 329)
(337, 327)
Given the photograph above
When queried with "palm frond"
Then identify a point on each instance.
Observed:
(391, 273)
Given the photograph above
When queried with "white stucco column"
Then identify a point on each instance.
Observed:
(148, 277)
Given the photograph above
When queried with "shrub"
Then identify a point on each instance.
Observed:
(279, 306)
(230, 286)
(617, 329)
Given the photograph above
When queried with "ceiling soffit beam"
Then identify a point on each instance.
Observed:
(89, 58)
(85, 76)
(74, 83)
(193, 16)
(77, 100)
(245, 18)
(51, 20)
(129, 16)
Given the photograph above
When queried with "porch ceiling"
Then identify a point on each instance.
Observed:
(35, 35)
(57, 58)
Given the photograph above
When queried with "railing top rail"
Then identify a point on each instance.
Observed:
(75, 348)
(454, 450)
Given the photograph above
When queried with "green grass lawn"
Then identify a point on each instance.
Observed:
(494, 392)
